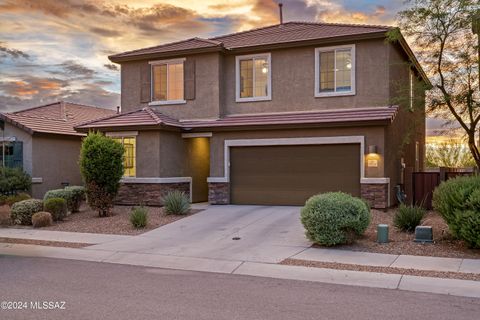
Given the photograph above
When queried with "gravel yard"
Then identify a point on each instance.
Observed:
(356, 267)
(402, 243)
(88, 221)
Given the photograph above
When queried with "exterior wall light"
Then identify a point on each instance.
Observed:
(372, 149)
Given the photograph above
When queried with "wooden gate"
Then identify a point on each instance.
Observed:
(424, 183)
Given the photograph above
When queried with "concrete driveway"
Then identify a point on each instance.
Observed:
(267, 234)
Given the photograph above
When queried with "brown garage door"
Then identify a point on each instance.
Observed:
(289, 175)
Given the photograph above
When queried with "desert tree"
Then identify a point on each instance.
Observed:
(443, 35)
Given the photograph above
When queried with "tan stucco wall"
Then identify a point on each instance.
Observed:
(148, 154)
(206, 103)
(373, 136)
(55, 160)
(408, 127)
(166, 154)
(293, 81)
(293, 74)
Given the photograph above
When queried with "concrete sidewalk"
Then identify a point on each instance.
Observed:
(390, 260)
(352, 278)
(46, 235)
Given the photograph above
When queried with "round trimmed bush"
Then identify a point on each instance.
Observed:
(66, 195)
(21, 212)
(458, 202)
(57, 207)
(334, 218)
(78, 195)
(41, 219)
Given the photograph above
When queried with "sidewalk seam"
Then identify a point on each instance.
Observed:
(399, 281)
(236, 268)
(390, 265)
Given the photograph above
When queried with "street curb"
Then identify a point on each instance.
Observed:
(465, 288)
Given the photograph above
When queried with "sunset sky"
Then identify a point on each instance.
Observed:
(57, 49)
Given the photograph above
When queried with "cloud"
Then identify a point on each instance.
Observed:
(106, 32)
(111, 66)
(14, 53)
(361, 12)
(32, 91)
(74, 68)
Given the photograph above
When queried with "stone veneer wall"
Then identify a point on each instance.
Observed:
(219, 192)
(375, 194)
(148, 193)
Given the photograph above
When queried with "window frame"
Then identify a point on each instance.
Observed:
(317, 92)
(127, 135)
(152, 84)
(268, 57)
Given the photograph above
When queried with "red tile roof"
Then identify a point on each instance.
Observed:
(189, 44)
(295, 32)
(138, 118)
(279, 33)
(55, 118)
(150, 117)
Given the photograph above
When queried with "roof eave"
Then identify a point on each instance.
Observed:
(16, 124)
(403, 43)
(249, 126)
(119, 58)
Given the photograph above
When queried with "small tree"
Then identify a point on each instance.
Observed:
(101, 164)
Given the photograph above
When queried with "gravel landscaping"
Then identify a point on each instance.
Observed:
(402, 243)
(88, 221)
(356, 267)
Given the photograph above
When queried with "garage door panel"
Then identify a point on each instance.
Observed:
(288, 175)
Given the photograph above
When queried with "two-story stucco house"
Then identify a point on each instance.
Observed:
(270, 116)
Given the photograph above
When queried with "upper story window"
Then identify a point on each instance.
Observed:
(335, 71)
(253, 77)
(167, 81)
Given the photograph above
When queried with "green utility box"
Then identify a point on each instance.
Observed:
(382, 233)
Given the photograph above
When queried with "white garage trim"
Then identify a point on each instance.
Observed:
(158, 180)
(288, 141)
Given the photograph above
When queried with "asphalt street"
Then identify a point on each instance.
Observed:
(65, 289)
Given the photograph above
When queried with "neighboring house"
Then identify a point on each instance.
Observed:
(270, 116)
(42, 141)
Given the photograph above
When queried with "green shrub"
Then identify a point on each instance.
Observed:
(458, 202)
(334, 218)
(3, 199)
(66, 195)
(78, 195)
(10, 200)
(139, 217)
(176, 202)
(408, 217)
(14, 180)
(42, 219)
(101, 164)
(21, 212)
(57, 207)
